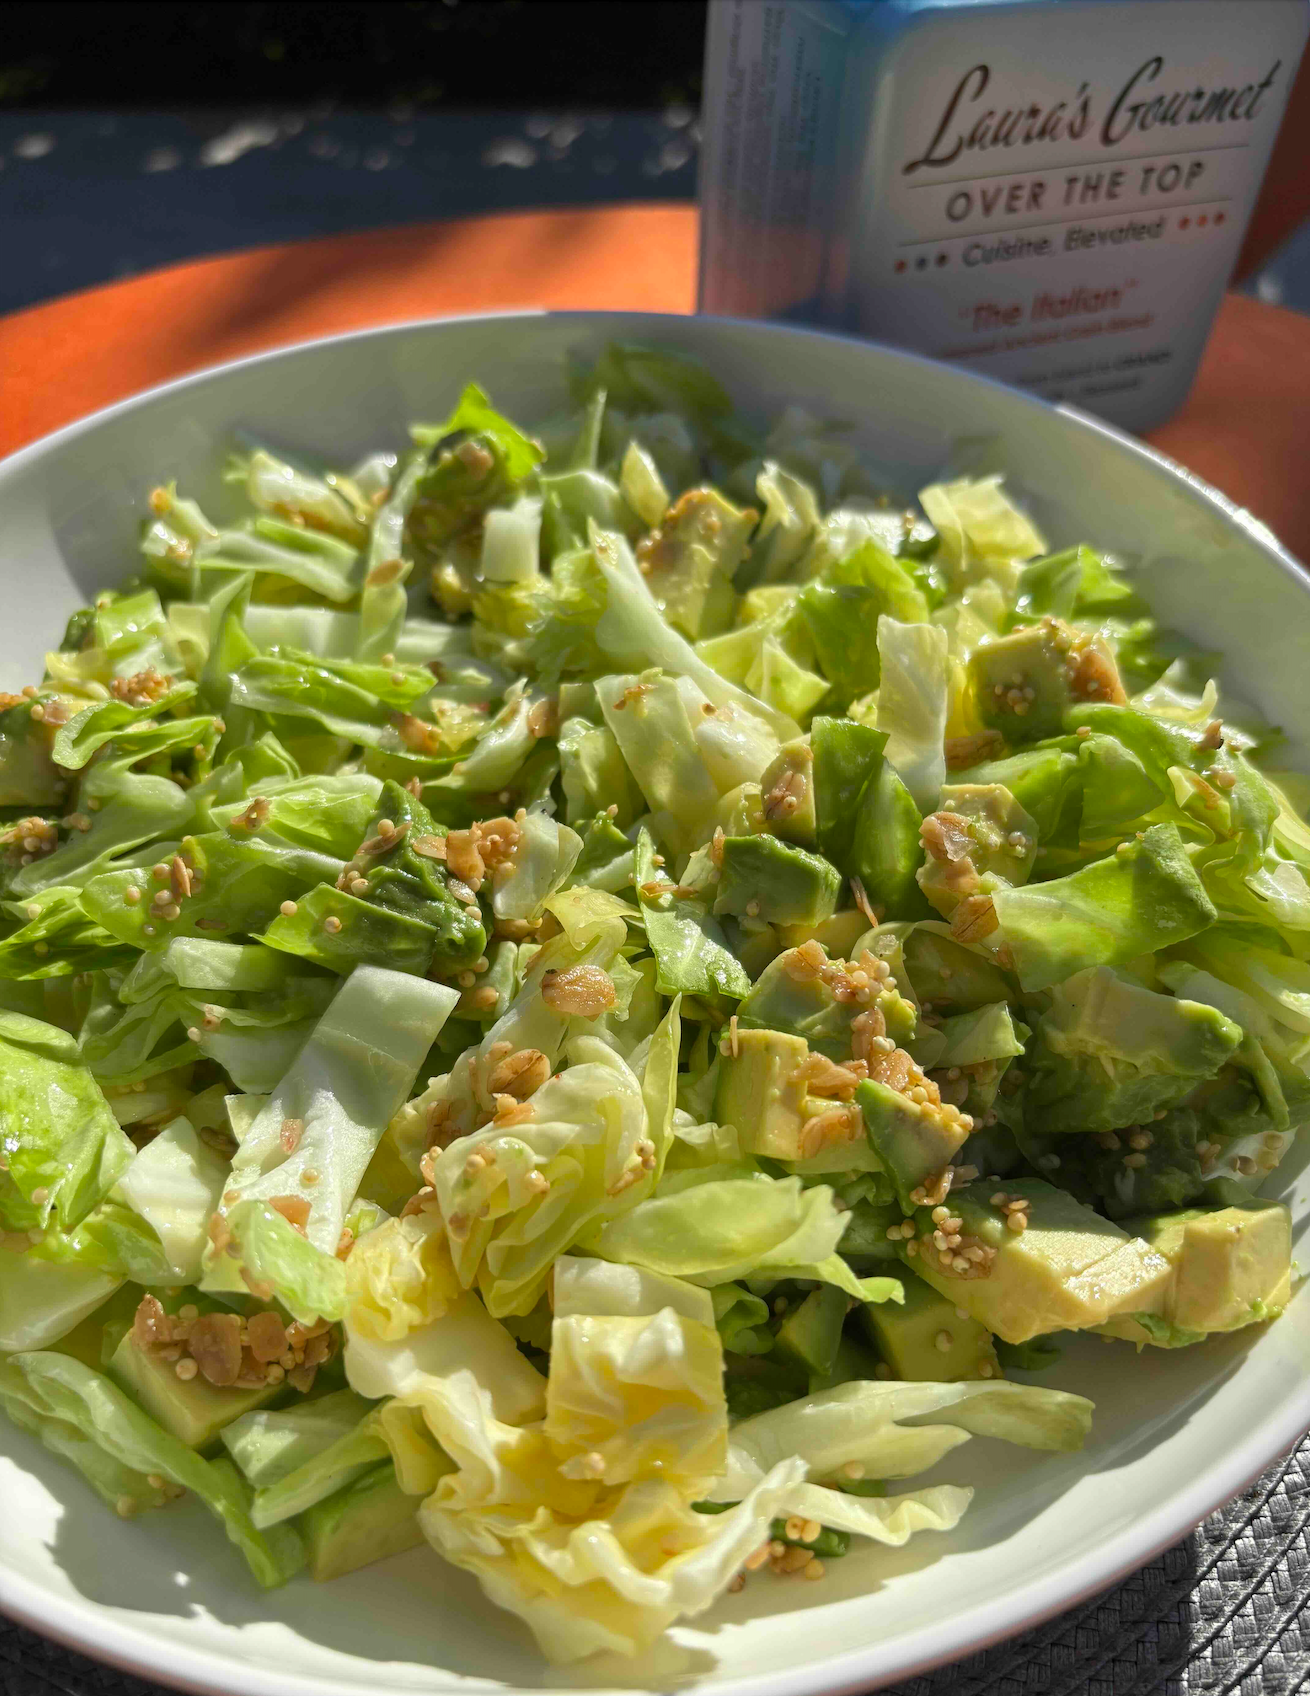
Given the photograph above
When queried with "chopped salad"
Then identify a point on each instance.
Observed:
(589, 996)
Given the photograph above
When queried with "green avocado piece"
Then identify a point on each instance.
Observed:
(760, 1094)
(789, 995)
(947, 973)
(1108, 1054)
(368, 1520)
(978, 1047)
(1068, 1270)
(193, 1410)
(764, 878)
(914, 1141)
(924, 1339)
(838, 935)
(982, 834)
(809, 1336)
(787, 788)
(1023, 682)
(1232, 1266)
(885, 852)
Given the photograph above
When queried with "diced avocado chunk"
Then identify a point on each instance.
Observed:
(787, 787)
(1068, 1270)
(950, 975)
(762, 877)
(978, 1047)
(838, 935)
(1024, 681)
(810, 1334)
(792, 995)
(915, 1141)
(761, 1094)
(1231, 1266)
(1108, 1053)
(924, 1339)
(978, 834)
(193, 1409)
(368, 1520)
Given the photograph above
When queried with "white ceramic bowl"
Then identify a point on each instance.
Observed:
(1175, 1434)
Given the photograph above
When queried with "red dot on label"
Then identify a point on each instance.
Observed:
(1183, 223)
(1202, 221)
(1218, 217)
(941, 259)
(900, 264)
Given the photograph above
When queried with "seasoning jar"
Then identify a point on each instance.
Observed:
(1053, 192)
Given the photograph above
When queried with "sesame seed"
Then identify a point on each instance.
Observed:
(309, 1176)
(40, 1196)
(853, 1469)
(943, 1341)
(813, 1570)
(186, 1368)
(147, 930)
(332, 924)
(193, 1033)
(288, 909)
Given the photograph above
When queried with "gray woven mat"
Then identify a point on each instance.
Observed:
(1223, 1613)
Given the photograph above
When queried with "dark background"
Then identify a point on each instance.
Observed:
(429, 53)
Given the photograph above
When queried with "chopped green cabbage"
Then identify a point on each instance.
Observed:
(399, 878)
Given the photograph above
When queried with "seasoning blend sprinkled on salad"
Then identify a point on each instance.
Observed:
(606, 1073)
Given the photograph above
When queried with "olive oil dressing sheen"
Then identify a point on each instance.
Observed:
(1052, 192)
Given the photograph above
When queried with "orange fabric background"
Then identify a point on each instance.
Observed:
(1244, 429)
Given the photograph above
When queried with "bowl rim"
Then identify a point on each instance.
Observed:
(104, 1635)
